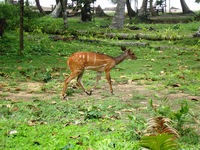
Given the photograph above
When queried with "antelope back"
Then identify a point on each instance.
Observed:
(89, 60)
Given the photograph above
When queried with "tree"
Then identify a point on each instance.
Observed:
(57, 11)
(185, 8)
(143, 9)
(197, 1)
(118, 19)
(21, 45)
(60, 9)
(39, 7)
(131, 12)
(152, 10)
(86, 14)
(64, 13)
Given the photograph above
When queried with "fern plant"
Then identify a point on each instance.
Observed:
(161, 125)
(159, 135)
(158, 142)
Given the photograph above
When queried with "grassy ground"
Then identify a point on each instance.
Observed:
(33, 116)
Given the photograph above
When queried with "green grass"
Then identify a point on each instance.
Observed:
(44, 121)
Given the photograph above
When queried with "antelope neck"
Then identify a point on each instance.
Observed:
(120, 58)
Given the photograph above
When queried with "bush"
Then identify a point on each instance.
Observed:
(12, 15)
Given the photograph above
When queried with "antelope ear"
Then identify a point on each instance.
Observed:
(123, 48)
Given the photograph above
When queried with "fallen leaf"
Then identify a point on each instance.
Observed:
(79, 143)
(122, 77)
(75, 137)
(32, 122)
(114, 117)
(142, 108)
(53, 102)
(12, 132)
(15, 108)
(118, 112)
(19, 67)
(176, 85)
(15, 101)
(81, 112)
(128, 110)
(17, 89)
(8, 105)
(111, 106)
(194, 99)
(181, 77)
(162, 72)
(36, 143)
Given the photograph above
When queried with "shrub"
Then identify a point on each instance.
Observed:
(12, 15)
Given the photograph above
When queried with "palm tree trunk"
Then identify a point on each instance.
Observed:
(153, 12)
(56, 12)
(131, 12)
(143, 9)
(64, 13)
(185, 8)
(39, 7)
(118, 19)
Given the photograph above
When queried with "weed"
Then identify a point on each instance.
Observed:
(181, 115)
(137, 127)
(93, 112)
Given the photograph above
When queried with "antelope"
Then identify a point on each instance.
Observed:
(80, 61)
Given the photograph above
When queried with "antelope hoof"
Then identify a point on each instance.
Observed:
(89, 93)
(64, 97)
(112, 92)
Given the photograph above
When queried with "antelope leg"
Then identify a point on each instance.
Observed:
(81, 84)
(66, 82)
(109, 80)
(97, 81)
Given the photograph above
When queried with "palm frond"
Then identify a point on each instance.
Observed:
(158, 142)
(161, 125)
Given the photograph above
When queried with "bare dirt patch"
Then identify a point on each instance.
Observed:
(31, 90)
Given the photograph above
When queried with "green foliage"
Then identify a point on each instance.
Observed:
(92, 112)
(137, 126)
(159, 135)
(181, 115)
(159, 142)
(12, 14)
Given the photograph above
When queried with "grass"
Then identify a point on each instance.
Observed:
(39, 119)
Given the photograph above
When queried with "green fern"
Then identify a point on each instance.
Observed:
(159, 135)
(159, 142)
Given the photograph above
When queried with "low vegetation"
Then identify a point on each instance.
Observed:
(162, 83)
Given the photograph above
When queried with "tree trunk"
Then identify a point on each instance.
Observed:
(100, 12)
(57, 11)
(86, 12)
(21, 45)
(143, 9)
(131, 12)
(185, 8)
(39, 7)
(152, 10)
(118, 19)
(27, 3)
(64, 13)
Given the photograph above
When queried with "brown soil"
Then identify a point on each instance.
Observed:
(124, 91)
